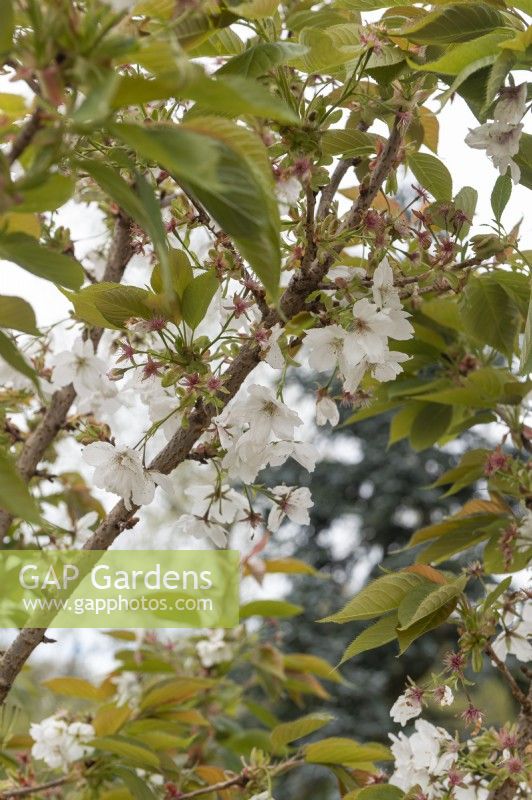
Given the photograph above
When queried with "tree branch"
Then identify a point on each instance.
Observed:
(25, 791)
(176, 451)
(55, 416)
(329, 191)
(524, 701)
(25, 135)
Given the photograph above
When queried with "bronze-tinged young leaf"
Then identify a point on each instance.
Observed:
(338, 750)
(288, 732)
(71, 686)
(376, 635)
(17, 314)
(14, 495)
(132, 750)
(7, 28)
(380, 596)
(175, 690)
(451, 525)
(306, 662)
(380, 791)
(269, 608)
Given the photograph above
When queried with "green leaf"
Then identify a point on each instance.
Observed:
(338, 750)
(446, 546)
(17, 314)
(524, 160)
(489, 315)
(382, 791)
(72, 686)
(48, 195)
(261, 58)
(269, 608)
(500, 195)
(7, 15)
(457, 58)
(432, 175)
(10, 353)
(109, 305)
(132, 750)
(430, 424)
(375, 635)
(466, 201)
(433, 601)
(254, 9)
(424, 625)
(455, 23)
(451, 525)
(180, 270)
(26, 251)
(525, 366)
(137, 787)
(380, 596)
(288, 732)
(197, 297)
(97, 104)
(14, 495)
(156, 230)
(112, 183)
(225, 167)
(234, 96)
(348, 143)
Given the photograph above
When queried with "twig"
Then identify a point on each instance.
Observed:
(25, 791)
(25, 135)
(238, 780)
(524, 701)
(329, 191)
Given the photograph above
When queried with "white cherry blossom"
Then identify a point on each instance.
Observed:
(471, 789)
(385, 295)
(372, 327)
(332, 346)
(265, 414)
(79, 366)
(121, 471)
(201, 528)
(274, 356)
(511, 105)
(326, 411)
(291, 502)
(287, 191)
(214, 650)
(406, 707)
(515, 639)
(58, 743)
(128, 689)
(501, 141)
